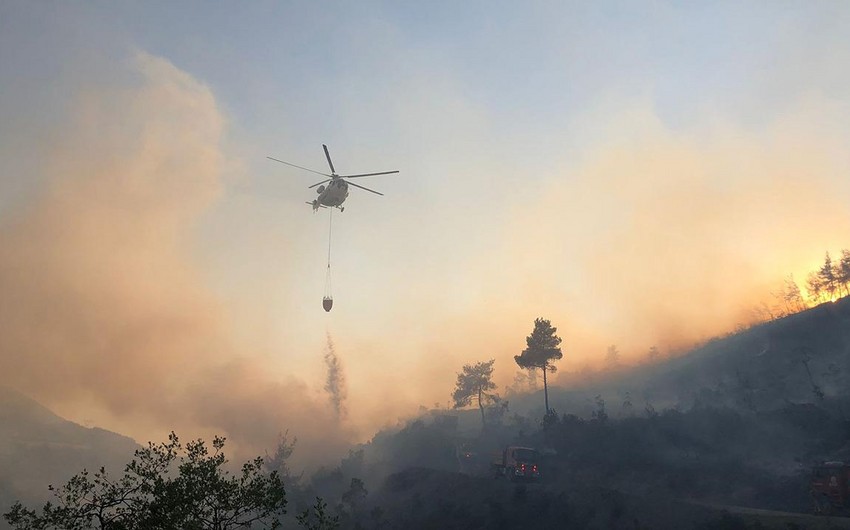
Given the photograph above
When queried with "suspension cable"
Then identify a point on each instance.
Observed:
(330, 226)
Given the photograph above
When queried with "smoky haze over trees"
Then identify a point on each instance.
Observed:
(738, 421)
(473, 383)
(736, 424)
(116, 282)
(543, 347)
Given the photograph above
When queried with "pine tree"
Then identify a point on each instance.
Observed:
(826, 274)
(543, 347)
(472, 384)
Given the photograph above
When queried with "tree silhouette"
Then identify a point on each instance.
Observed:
(473, 383)
(612, 357)
(843, 270)
(497, 409)
(831, 279)
(355, 495)
(827, 276)
(279, 461)
(317, 517)
(815, 287)
(198, 494)
(792, 297)
(543, 347)
(806, 355)
(652, 354)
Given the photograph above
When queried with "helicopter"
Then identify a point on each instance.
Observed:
(336, 191)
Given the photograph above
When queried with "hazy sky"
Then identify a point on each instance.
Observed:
(640, 173)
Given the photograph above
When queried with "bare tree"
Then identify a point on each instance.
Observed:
(791, 295)
(543, 347)
(805, 353)
(763, 312)
(815, 287)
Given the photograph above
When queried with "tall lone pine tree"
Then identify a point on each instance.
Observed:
(543, 348)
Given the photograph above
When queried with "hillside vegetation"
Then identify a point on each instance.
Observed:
(736, 422)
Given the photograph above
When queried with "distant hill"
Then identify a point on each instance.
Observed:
(735, 422)
(770, 366)
(788, 360)
(38, 448)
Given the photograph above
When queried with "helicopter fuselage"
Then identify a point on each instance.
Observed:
(335, 192)
(332, 195)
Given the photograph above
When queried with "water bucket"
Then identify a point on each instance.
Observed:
(327, 303)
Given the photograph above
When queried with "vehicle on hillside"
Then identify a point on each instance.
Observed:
(830, 488)
(468, 460)
(518, 463)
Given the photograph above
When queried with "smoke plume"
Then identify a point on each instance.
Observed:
(335, 382)
(104, 313)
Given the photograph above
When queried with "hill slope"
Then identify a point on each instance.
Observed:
(38, 448)
(735, 422)
(788, 360)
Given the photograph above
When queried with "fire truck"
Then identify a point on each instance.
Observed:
(830, 488)
(518, 463)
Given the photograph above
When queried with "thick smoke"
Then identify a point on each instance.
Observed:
(659, 238)
(335, 382)
(104, 309)
(653, 236)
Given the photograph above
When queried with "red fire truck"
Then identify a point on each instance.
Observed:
(830, 488)
(518, 463)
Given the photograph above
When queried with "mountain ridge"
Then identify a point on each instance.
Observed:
(38, 447)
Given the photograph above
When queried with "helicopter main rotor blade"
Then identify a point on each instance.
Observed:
(299, 167)
(365, 188)
(368, 174)
(316, 184)
(328, 156)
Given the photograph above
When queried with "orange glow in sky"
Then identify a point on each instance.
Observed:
(159, 273)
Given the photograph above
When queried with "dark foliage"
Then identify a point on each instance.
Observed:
(165, 486)
(474, 384)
